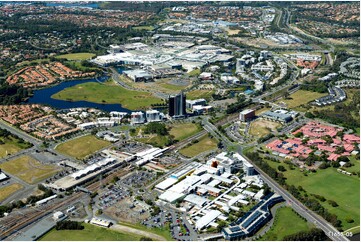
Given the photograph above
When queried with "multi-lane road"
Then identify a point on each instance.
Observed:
(312, 217)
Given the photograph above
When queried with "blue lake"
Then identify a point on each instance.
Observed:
(43, 96)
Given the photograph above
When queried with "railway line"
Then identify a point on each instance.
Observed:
(18, 222)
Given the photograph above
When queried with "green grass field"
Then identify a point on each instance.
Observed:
(182, 131)
(28, 169)
(195, 94)
(195, 72)
(164, 232)
(6, 191)
(156, 140)
(172, 87)
(286, 222)
(76, 56)
(356, 167)
(82, 146)
(302, 97)
(11, 146)
(100, 93)
(343, 189)
(89, 233)
(205, 143)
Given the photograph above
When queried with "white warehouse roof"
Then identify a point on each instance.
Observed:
(209, 217)
(171, 196)
(166, 183)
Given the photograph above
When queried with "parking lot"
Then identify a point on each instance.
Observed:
(133, 147)
(177, 222)
(110, 196)
(138, 179)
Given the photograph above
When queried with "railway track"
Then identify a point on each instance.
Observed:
(18, 222)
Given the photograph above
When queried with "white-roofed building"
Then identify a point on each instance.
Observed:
(186, 185)
(58, 215)
(3, 177)
(171, 196)
(167, 183)
(259, 195)
(196, 200)
(137, 118)
(208, 218)
(152, 116)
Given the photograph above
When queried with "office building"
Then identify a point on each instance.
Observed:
(137, 118)
(191, 103)
(177, 106)
(247, 115)
(248, 169)
(152, 116)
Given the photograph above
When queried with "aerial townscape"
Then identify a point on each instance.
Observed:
(186, 121)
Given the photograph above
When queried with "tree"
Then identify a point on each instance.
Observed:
(281, 168)
(332, 203)
(156, 128)
(143, 238)
(315, 234)
(299, 135)
(69, 225)
(309, 115)
(221, 225)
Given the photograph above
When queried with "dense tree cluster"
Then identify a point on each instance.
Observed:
(156, 128)
(315, 86)
(69, 225)
(11, 94)
(315, 234)
(238, 106)
(342, 110)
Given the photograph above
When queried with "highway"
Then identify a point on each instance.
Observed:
(20, 133)
(301, 209)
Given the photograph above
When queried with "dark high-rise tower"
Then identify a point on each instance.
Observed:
(177, 106)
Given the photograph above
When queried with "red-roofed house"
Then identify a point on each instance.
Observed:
(333, 157)
(296, 141)
(274, 144)
(337, 141)
(326, 148)
(316, 142)
(302, 150)
(351, 138)
(348, 147)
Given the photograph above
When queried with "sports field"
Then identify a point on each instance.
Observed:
(343, 189)
(205, 143)
(89, 233)
(76, 56)
(28, 169)
(182, 131)
(302, 97)
(6, 191)
(81, 147)
(286, 222)
(261, 128)
(103, 93)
